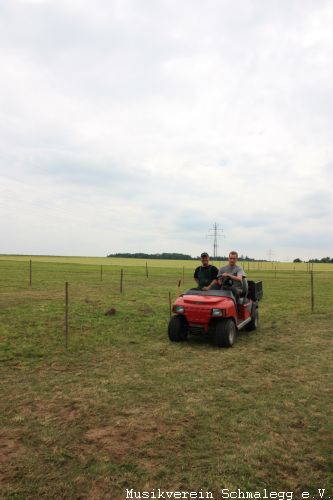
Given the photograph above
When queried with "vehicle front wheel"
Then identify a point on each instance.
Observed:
(225, 333)
(177, 330)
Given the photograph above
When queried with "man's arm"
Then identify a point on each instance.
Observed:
(233, 277)
(214, 282)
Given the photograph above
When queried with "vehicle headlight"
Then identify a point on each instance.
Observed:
(178, 309)
(217, 312)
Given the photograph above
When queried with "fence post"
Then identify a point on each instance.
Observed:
(312, 291)
(179, 283)
(66, 314)
(30, 273)
(121, 280)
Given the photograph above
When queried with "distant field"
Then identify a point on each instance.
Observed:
(123, 407)
(188, 264)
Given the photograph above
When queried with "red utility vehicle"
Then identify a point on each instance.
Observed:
(216, 313)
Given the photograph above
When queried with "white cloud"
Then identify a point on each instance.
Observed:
(135, 125)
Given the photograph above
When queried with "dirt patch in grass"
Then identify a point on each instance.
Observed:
(37, 409)
(135, 435)
(11, 450)
(55, 411)
(71, 411)
(118, 440)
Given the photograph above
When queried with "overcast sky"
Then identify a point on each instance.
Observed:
(135, 125)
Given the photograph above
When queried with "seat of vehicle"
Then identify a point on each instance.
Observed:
(242, 297)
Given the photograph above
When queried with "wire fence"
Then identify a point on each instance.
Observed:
(56, 302)
(20, 273)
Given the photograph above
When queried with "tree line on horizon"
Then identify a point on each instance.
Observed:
(324, 260)
(183, 256)
(174, 256)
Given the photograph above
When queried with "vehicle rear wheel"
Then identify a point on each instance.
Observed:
(254, 323)
(225, 333)
(177, 330)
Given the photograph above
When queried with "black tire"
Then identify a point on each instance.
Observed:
(225, 333)
(177, 329)
(254, 323)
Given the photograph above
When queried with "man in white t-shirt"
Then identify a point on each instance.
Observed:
(231, 276)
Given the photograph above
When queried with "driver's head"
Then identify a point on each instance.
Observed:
(204, 258)
(233, 256)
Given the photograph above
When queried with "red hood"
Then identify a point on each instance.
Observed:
(205, 300)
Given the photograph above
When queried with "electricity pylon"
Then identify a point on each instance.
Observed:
(270, 253)
(216, 234)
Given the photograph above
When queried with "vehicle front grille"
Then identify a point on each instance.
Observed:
(196, 330)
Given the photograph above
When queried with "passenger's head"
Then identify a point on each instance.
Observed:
(204, 258)
(233, 256)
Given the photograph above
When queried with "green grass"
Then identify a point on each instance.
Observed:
(123, 407)
(141, 263)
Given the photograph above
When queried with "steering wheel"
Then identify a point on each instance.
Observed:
(226, 282)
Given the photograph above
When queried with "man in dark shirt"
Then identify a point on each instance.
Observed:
(206, 274)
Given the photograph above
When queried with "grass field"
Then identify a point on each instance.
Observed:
(122, 407)
(188, 264)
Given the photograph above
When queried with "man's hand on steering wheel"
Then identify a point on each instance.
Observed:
(225, 280)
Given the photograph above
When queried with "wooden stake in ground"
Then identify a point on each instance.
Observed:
(101, 273)
(66, 314)
(179, 282)
(312, 292)
(30, 274)
(121, 280)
